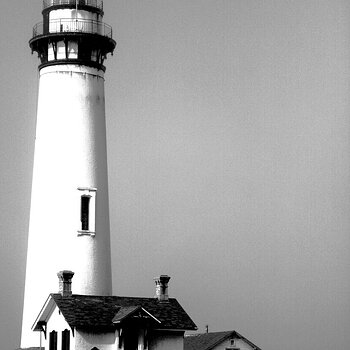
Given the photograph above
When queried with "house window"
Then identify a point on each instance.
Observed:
(65, 339)
(53, 341)
(87, 206)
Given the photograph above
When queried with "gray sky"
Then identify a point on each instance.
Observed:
(229, 146)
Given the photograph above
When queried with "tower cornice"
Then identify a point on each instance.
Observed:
(102, 44)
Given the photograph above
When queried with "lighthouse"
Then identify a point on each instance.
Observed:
(69, 213)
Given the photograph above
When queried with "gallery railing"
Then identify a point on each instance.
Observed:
(69, 25)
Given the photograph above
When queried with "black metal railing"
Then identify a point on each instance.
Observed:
(69, 25)
(93, 3)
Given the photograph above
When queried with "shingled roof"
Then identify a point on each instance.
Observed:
(98, 312)
(207, 341)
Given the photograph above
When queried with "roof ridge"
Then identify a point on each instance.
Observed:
(109, 296)
(217, 332)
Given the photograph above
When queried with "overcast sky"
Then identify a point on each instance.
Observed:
(228, 128)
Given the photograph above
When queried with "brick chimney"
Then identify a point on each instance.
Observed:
(65, 282)
(162, 287)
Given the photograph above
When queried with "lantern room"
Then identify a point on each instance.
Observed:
(72, 32)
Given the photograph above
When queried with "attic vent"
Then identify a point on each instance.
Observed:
(232, 345)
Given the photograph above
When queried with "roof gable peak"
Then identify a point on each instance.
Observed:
(136, 312)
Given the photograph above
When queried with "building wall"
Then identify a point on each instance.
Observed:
(239, 344)
(167, 341)
(84, 340)
(110, 341)
(57, 323)
(103, 341)
(70, 153)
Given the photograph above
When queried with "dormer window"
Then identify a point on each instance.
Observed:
(87, 198)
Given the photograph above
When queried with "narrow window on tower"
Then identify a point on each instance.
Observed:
(84, 212)
(87, 204)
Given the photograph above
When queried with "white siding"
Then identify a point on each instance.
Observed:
(167, 341)
(70, 152)
(57, 323)
(103, 341)
(239, 344)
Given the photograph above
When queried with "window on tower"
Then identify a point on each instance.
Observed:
(87, 202)
(84, 212)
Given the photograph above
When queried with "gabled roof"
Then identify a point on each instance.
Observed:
(98, 312)
(126, 312)
(207, 341)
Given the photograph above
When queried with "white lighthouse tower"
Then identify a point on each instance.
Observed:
(69, 215)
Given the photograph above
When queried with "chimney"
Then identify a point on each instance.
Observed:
(65, 282)
(162, 287)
